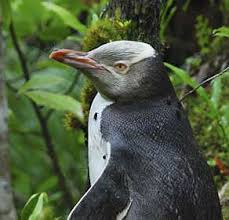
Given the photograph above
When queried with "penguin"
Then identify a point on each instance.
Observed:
(144, 163)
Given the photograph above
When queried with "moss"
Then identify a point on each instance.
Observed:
(225, 202)
(71, 122)
(104, 31)
(87, 94)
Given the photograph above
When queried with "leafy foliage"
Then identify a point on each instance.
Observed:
(42, 82)
(57, 102)
(5, 12)
(203, 34)
(34, 207)
(221, 32)
(65, 16)
(166, 15)
(186, 78)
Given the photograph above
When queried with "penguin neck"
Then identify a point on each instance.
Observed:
(151, 96)
(165, 100)
(152, 88)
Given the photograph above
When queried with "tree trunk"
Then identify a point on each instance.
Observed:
(7, 210)
(145, 18)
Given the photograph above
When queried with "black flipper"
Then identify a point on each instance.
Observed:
(106, 198)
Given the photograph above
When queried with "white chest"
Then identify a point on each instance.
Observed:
(98, 148)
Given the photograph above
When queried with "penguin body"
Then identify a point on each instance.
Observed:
(154, 171)
(167, 176)
(144, 163)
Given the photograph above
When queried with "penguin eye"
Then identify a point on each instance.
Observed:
(121, 67)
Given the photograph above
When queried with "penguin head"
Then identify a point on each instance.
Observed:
(121, 70)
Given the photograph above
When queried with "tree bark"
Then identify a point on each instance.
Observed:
(144, 16)
(7, 210)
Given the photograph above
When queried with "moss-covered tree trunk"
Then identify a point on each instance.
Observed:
(7, 210)
(144, 15)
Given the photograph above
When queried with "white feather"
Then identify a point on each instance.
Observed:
(123, 214)
(98, 148)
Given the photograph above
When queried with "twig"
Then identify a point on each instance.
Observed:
(204, 82)
(43, 124)
(19, 52)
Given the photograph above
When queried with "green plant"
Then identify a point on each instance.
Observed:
(166, 15)
(103, 31)
(39, 92)
(221, 32)
(203, 34)
(35, 207)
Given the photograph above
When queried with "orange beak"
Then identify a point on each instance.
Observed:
(77, 59)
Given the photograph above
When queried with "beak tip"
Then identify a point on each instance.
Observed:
(51, 55)
(56, 55)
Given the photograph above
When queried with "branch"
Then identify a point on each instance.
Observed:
(202, 83)
(43, 124)
(19, 52)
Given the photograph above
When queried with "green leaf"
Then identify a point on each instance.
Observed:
(221, 32)
(41, 82)
(75, 38)
(216, 91)
(166, 15)
(94, 18)
(186, 5)
(48, 184)
(67, 17)
(34, 206)
(225, 114)
(29, 207)
(42, 200)
(186, 78)
(211, 162)
(57, 102)
(28, 17)
(5, 12)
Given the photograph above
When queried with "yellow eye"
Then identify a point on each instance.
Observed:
(121, 67)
